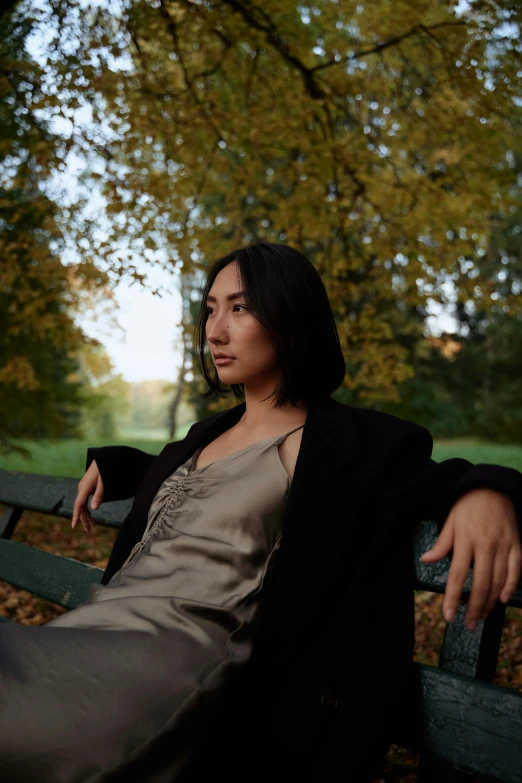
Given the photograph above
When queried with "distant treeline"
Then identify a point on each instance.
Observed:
(468, 386)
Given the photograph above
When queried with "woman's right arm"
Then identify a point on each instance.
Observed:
(121, 468)
(111, 473)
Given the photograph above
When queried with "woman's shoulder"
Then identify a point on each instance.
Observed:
(369, 416)
(374, 425)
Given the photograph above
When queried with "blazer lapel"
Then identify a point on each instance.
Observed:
(322, 509)
(329, 440)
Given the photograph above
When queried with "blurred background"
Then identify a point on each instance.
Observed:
(142, 139)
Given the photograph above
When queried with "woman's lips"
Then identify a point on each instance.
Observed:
(223, 360)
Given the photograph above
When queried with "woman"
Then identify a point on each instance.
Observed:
(130, 684)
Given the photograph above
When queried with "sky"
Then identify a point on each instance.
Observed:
(145, 345)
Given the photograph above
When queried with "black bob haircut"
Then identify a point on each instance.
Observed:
(287, 296)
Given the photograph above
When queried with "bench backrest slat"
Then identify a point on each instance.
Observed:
(62, 580)
(473, 654)
(472, 724)
(56, 495)
(53, 495)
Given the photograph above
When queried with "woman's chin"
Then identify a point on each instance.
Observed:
(228, 375)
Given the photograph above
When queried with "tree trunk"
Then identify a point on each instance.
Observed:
(176, 400)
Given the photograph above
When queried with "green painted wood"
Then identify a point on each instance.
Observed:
(54, 495)
(473, 653)
(470, 726)
(9, 520)
(433, 577)
(62, 580)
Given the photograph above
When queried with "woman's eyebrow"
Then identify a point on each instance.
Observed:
(237, 295)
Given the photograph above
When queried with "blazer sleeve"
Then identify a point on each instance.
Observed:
(122, 469)
(427, 489)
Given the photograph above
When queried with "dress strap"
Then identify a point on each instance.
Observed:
(289, 433)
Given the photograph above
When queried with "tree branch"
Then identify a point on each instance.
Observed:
(247, 11)
(386, 44)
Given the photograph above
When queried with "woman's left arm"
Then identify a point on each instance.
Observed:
(482, 527)
(479, 511)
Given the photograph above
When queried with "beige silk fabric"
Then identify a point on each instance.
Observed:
(210, 539)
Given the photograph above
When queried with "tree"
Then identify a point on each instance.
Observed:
(39, 294)
(105, 395)
(372, 137)
(375, 137)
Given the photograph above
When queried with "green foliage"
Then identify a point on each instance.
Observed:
(476, 390)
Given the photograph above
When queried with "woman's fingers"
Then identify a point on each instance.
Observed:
(496, 573)
(80, 503)
(458, 572)
(91, 480)
(443, 544)
(497, 582)
(82, 517)
(514, 564)
(97, 498)
(480, 586)
(87, 520)
(81, 511)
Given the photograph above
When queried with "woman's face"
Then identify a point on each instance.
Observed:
(232, 329)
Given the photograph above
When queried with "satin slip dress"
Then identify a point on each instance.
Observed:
(121, 687)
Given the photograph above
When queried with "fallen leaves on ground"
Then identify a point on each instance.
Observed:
(52, 534)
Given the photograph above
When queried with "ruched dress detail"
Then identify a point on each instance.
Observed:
(121, 687)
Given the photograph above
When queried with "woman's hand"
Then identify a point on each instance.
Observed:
(481, 526)
(90, 481)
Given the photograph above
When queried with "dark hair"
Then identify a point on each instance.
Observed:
(288, 297)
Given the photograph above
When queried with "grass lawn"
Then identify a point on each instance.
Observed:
(67, 457)
(479, 451)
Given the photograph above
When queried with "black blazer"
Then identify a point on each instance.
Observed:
(330, 677)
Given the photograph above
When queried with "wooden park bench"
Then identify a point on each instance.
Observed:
(468, 728)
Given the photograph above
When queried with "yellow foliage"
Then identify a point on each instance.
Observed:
(363, 134)
(19, 372)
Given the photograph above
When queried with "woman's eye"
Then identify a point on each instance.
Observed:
(209, 309)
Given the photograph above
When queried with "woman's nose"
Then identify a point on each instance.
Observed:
(217, 327)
